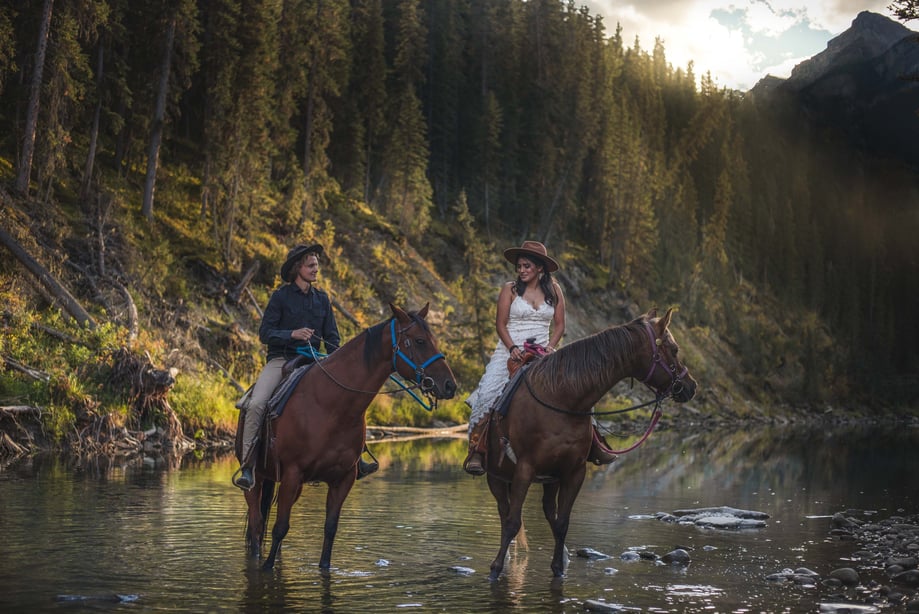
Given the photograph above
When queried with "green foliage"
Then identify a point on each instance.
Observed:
(411, 139)
(402, 410)
(205, 401)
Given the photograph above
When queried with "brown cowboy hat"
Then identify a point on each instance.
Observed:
(294, 256)
(533, 249)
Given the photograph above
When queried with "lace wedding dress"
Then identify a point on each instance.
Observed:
(523, 323)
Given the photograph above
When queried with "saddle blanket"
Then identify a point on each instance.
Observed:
(284, 390)
(504, 400)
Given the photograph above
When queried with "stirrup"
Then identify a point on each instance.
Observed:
(600, 452)
(473, 465)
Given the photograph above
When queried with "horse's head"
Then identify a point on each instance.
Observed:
(415, 353)
(666, 375)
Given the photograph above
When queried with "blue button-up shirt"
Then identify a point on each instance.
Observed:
(290, 308)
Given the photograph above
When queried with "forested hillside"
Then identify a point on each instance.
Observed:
(159, 159)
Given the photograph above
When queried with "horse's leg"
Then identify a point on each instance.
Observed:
(288, 492)
(333, 502)
(568, 489)
(267, 498)
(255, 520)
(510, 520)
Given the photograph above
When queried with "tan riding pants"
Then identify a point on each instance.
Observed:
(267, 381)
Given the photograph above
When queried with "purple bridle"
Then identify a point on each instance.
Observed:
(657, 358)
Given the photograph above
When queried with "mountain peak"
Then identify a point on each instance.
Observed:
(869, 36)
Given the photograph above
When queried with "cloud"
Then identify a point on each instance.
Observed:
(738, 41)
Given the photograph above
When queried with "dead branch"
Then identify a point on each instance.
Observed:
(237, 385)
(63, 296)
(251, 296)
(53, 332)
(33, 373)
(345, 312)
(132, 308)
(13, 410)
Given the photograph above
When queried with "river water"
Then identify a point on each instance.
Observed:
(151, 535)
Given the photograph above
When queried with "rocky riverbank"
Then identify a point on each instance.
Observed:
(883, 573)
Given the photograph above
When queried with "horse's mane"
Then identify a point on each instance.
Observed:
(587, 363)
(373, 346)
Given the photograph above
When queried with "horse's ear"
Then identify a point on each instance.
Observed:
(652, 314)
(423, 312)
(665, 321)
(399, 314)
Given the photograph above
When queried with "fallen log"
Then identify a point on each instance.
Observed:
(63, 296)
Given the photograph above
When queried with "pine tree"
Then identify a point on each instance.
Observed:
(179, 22)
(24, 172)
(405, 193)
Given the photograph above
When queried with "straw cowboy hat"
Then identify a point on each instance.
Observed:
(294, 256)
(533, 249)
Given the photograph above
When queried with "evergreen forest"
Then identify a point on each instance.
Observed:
(158, 159)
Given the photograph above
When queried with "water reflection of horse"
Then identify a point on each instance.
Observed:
(320, 434)
(546, 433)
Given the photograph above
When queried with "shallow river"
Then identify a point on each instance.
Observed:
(420, 534)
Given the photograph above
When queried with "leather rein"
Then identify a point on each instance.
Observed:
(657, 359)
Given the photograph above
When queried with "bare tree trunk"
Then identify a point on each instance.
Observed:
(94, 131)
(59, 292)
(308, 143)
(159, 118)
(237, 292)
(28, 141)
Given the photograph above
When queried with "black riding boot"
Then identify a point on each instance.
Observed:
(246, 479)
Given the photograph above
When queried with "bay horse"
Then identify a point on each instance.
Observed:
(321, 432)
(546, 433)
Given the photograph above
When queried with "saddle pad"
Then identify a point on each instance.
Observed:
(504, 400)
(284, 390)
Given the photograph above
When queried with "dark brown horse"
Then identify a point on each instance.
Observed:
(546, 434)
(320, 434)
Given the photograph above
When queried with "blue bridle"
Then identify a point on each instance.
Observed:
(426, 383)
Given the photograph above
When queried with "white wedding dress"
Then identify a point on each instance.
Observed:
(523, 323)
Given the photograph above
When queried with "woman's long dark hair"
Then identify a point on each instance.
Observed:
(545, 283)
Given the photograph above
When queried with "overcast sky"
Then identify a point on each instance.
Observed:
(738, 41)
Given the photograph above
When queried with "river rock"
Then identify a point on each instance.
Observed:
(841, 521)
(846, 575)
(676, 557)
(847, 608)
(723, 511)
(909, 577)
(591, 554)
(593, 605)
(723, 517)
(729, 522)
(907, 562)
(629, 555)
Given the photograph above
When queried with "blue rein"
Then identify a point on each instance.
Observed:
(420, 378)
